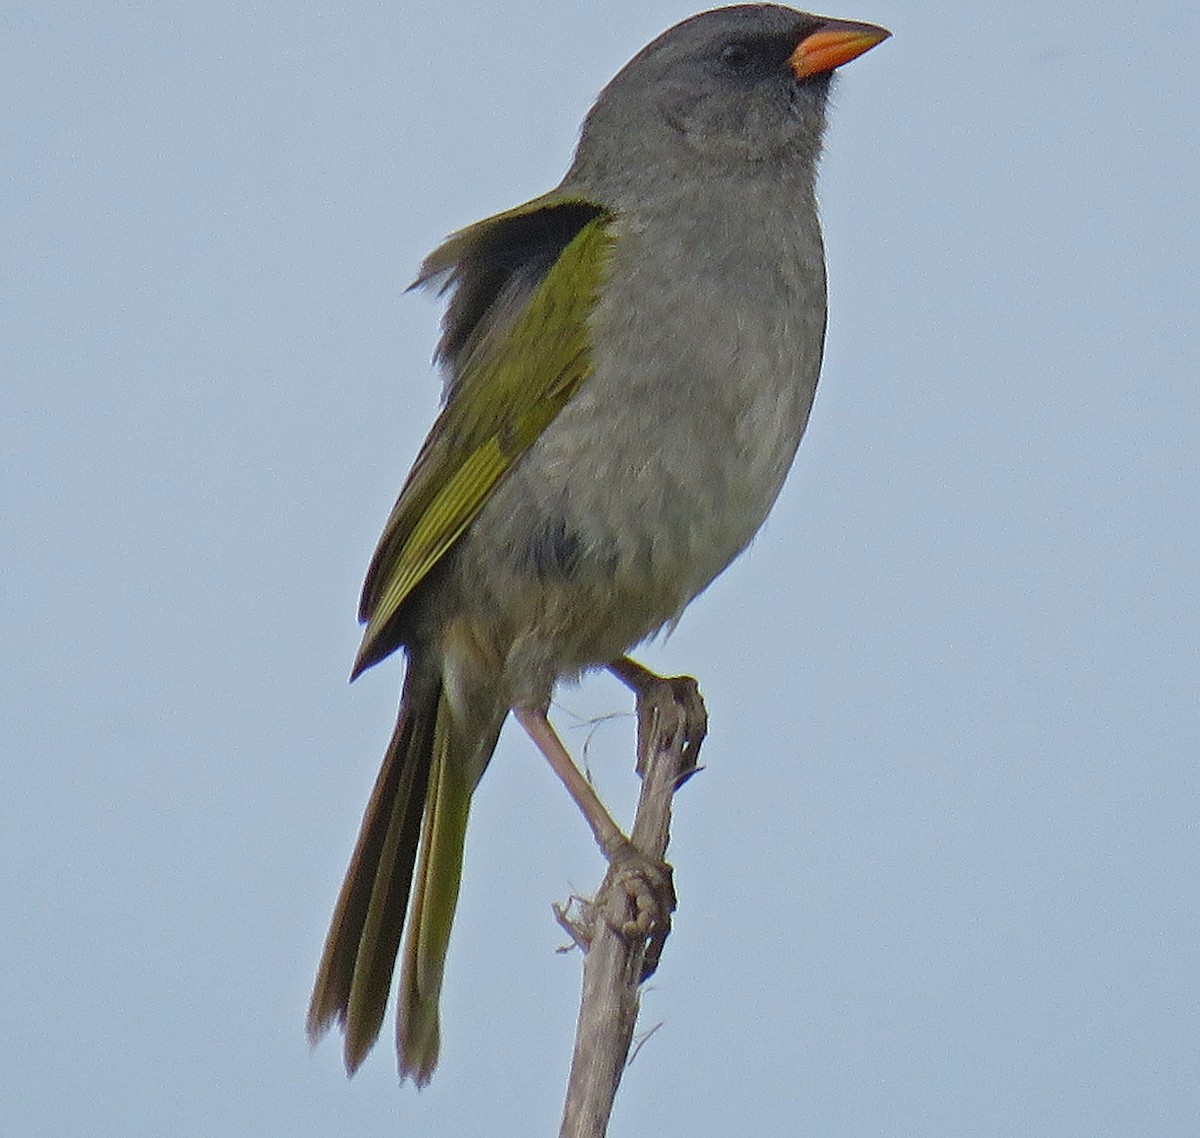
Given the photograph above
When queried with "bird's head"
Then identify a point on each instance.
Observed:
(729, 91)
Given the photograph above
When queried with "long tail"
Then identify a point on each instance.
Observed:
(421, 800)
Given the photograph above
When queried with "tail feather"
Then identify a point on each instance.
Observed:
(355, 973)
(420, 802)
(435, 896)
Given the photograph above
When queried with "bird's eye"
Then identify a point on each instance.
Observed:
(736, 56)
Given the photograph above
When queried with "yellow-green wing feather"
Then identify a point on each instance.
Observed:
(440, 526)
(504, 396)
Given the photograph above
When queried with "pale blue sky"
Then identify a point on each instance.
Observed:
(940, 875)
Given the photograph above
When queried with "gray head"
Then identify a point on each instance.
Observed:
(727, 93)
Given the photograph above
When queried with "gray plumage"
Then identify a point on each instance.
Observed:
(707, 345)
(704, 344)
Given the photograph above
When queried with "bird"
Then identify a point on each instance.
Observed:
(629, 363)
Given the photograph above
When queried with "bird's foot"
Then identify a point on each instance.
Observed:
(669, 708)
(637, 900)
(648, 889)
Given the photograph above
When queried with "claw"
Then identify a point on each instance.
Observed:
(649, 901)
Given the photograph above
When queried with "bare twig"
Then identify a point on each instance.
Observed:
(671, 727)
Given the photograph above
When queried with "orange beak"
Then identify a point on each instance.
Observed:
(835, 42)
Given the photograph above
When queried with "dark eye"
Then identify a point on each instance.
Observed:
(736, 56)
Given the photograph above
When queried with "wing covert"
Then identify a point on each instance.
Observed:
(513, 364)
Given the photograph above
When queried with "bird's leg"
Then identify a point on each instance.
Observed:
(609, 836)
(645, 880)
(638, 678)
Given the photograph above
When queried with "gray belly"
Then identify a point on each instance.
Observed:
(656, 474)
(622, 513)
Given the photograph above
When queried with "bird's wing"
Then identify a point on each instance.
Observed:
(515, 346)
